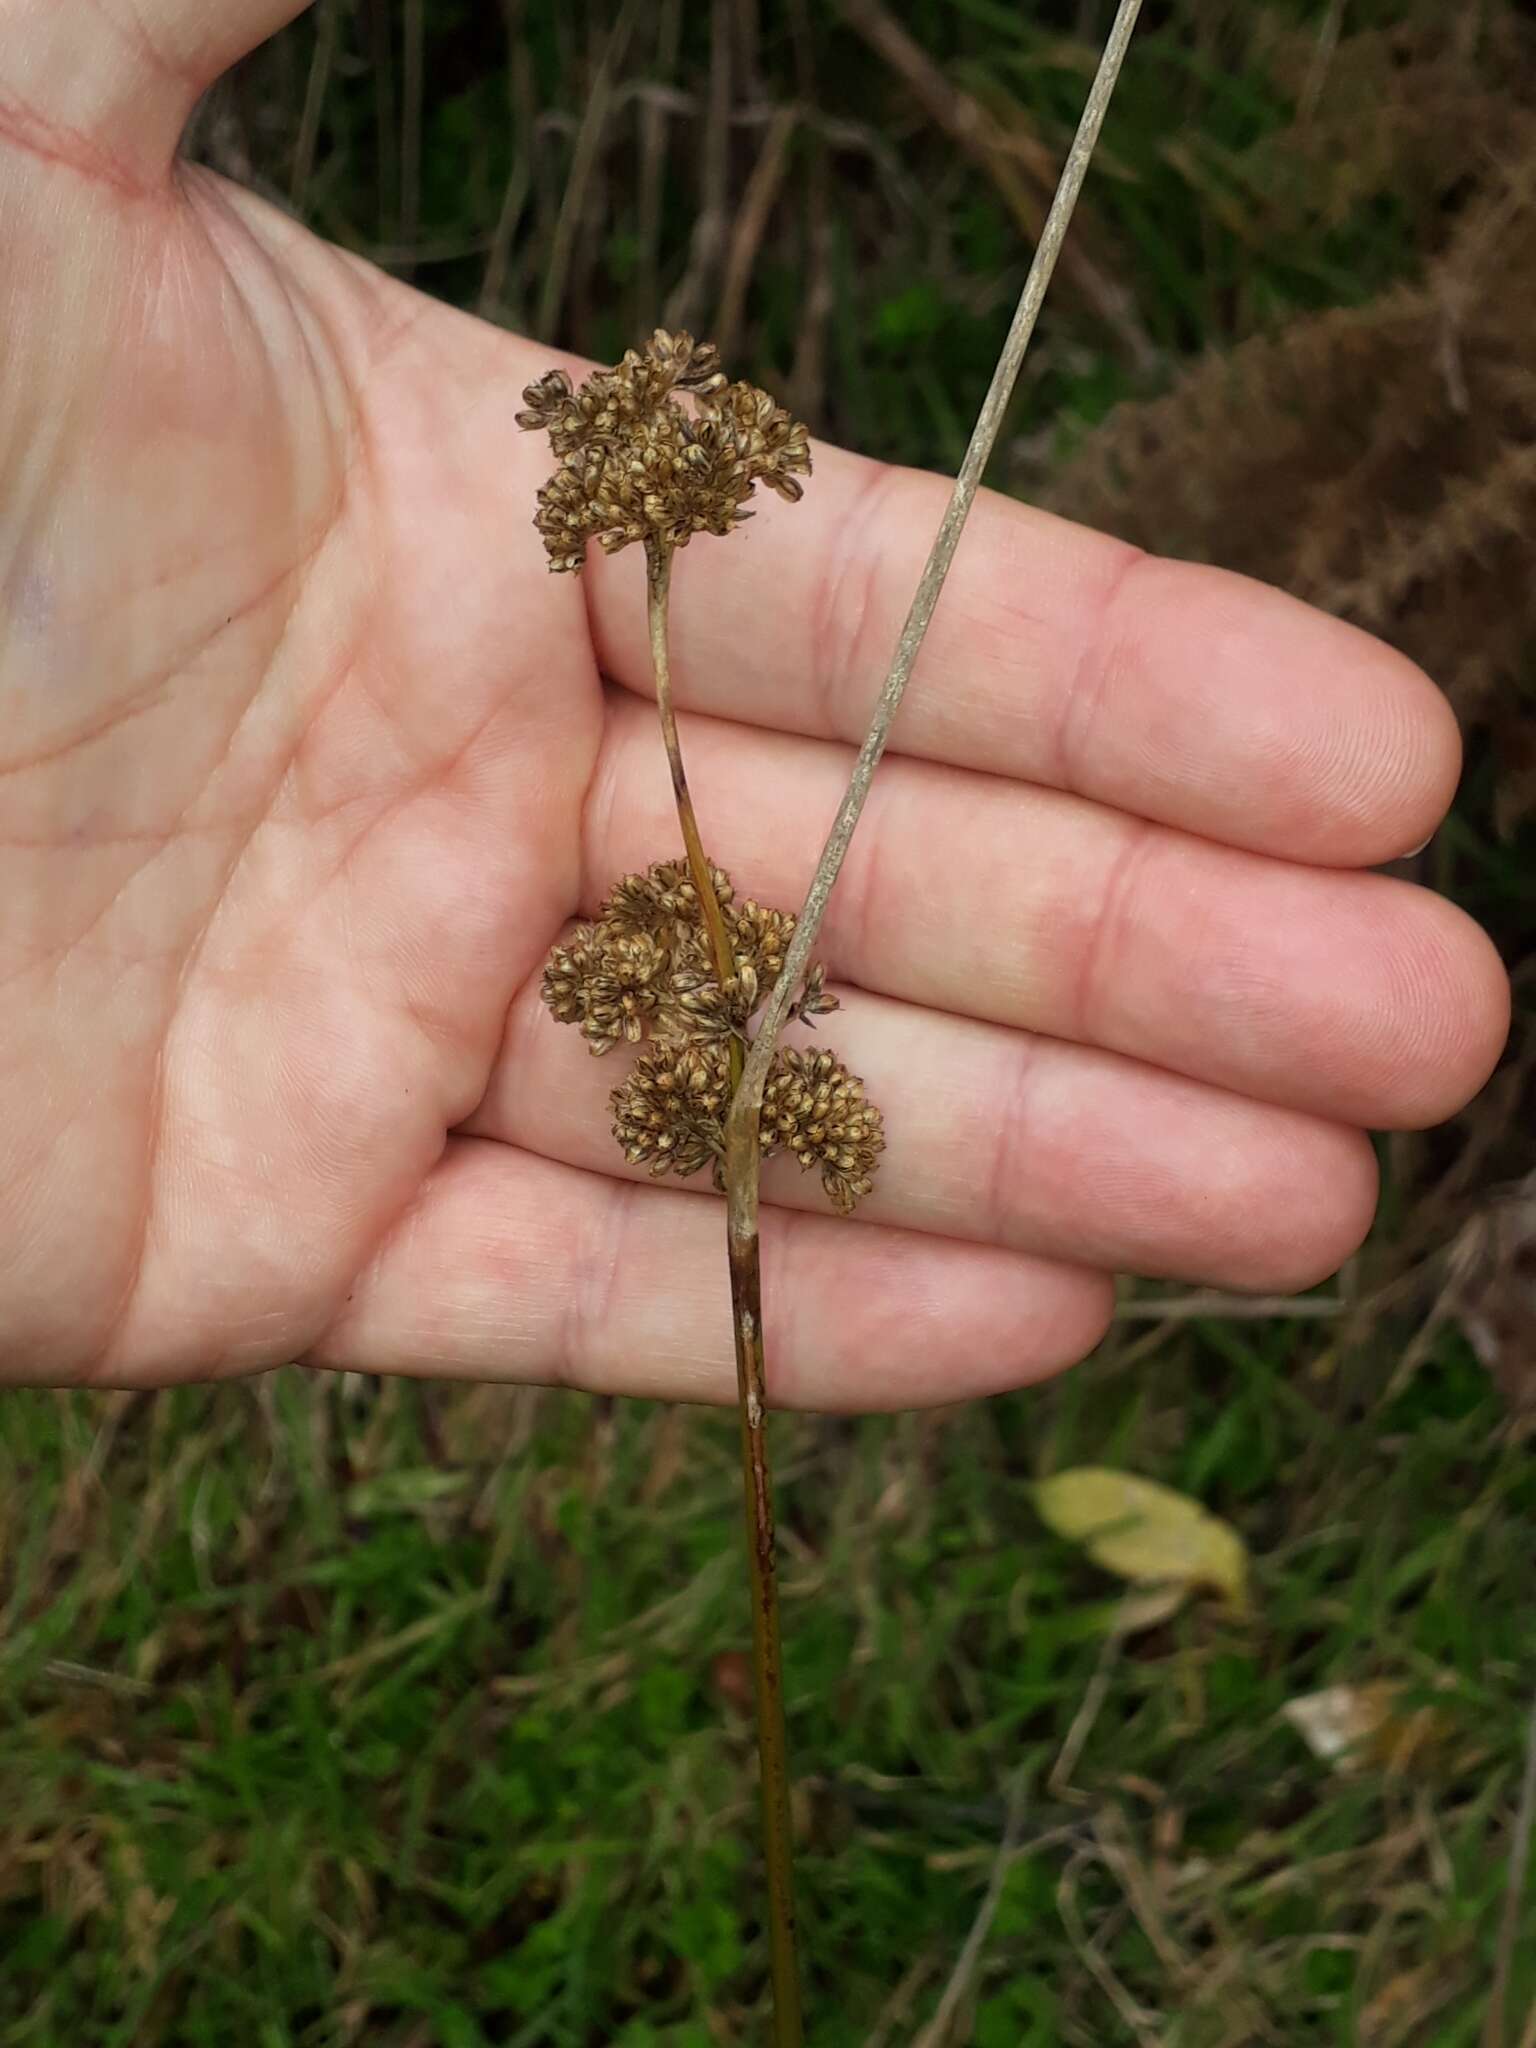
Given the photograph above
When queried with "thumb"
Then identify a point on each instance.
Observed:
(101, 89)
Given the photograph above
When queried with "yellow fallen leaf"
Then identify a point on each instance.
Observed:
(1143, 1531)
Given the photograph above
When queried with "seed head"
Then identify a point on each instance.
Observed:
(568, 973)
(669, 1114)
(697, 1006)
(662, 900)
(610, 982)
(634, 465)
(816, 1110)
(761, 937)
(644, 969)
(626, 989)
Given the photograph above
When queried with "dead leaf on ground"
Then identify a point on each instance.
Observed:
(1144, 1531)
(1364, 1727)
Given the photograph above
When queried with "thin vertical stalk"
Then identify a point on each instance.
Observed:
(744, 1120)
(658, 583)
(377, 19)
(653, 142)
(757, 1478)
(520, 176)
(749, 1070)
(314, 101)
(743, 1157)
(685, 304)
(767, 1659)
(589, 137)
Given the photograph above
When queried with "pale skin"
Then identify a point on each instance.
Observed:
(305, 761)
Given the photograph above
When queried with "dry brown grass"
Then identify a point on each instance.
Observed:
(1377, 459)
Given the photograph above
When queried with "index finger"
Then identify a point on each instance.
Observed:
(1170, 690)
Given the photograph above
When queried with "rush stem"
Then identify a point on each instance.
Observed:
(756, 1474)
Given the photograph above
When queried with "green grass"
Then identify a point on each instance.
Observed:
(414, 1717)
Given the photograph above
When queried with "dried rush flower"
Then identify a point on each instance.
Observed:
(655, 450)
(635, 466)
(643, 970)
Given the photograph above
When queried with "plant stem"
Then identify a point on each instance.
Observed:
(743, 1158)
(757, 1479)
(767, 1662)
(742, 1125)
(658, 582)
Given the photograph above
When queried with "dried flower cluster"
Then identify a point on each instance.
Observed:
(816, 1110)
(643, 970)
(636, 466)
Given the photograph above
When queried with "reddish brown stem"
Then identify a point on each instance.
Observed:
(658, 581)
(757, 1479)
(743, 1125)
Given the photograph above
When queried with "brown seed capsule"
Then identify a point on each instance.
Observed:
(568, 972)
(696, 1006)
(816, 1110)
(635, 465)
(761, 937)
(813, 1000)
(669, 1114)
(662, 900)
(625, 990)
(646, 969)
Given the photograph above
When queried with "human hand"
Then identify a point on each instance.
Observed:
(305, 761)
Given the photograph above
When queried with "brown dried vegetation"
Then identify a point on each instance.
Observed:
(642, 970)
(1379, 460)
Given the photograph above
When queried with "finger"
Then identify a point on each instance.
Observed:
(1028, 1143)
(513, 1268)
(99, 90)
(1356, 997)
(1168, 690)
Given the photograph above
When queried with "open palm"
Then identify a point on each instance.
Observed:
(305, 761)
